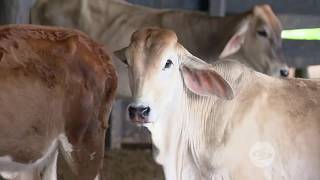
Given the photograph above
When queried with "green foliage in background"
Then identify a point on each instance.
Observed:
(301, 34)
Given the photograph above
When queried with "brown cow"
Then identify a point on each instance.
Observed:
(56, 90)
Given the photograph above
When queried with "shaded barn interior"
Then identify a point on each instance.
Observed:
(131, 148)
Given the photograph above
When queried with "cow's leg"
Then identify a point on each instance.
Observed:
(50, 170)
(85, 131)
(8, 175)
(86, 158)
(89, 159)
(32, 174)
(29, 175)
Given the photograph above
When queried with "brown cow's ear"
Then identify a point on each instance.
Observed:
(235, 43)
(264, 12)
(121, 55)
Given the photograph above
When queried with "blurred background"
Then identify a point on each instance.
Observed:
(293, 14)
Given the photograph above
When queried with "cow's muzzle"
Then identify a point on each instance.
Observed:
(284, 72)
(139, 114)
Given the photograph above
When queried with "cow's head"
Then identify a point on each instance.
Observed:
(159, 69)
(258, 40)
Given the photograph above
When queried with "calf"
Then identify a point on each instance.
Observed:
(221, 121)
(56, 90)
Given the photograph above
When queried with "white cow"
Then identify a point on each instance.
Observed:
(221, 121)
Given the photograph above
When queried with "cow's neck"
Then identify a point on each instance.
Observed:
(183, 140)
(167, 137)
(196, 126)
(251, 62)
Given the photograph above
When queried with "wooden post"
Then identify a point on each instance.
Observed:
(15, 11)
(217, 7)
(117, 128)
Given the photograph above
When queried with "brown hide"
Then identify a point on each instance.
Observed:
(54, 81)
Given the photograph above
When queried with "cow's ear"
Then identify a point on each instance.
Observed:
(236, 41)
(206, 82)
(200, 77)
(121, 55)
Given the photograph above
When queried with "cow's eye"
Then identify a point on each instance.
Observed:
(168, 64)
(262, 33)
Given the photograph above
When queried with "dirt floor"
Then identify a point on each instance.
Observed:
(124, 165)
(133, 165)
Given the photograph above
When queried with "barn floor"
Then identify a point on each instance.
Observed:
(124, 165)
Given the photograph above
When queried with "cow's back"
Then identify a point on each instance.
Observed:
(297, 126)
(279, 117)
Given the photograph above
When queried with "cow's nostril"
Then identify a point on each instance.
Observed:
(284, 72)
(132, 111)
(145, 111)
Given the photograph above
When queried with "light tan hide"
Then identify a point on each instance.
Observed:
(221, 121)
(252, 38)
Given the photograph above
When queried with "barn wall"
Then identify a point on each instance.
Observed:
(302, 7)
(15, 11)
(174, 4)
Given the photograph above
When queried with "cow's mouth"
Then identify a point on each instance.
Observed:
(140, 120)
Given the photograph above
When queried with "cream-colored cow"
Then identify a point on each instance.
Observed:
(221, 121)
(252, 37)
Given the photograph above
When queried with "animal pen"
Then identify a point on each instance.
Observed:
(129, 149)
